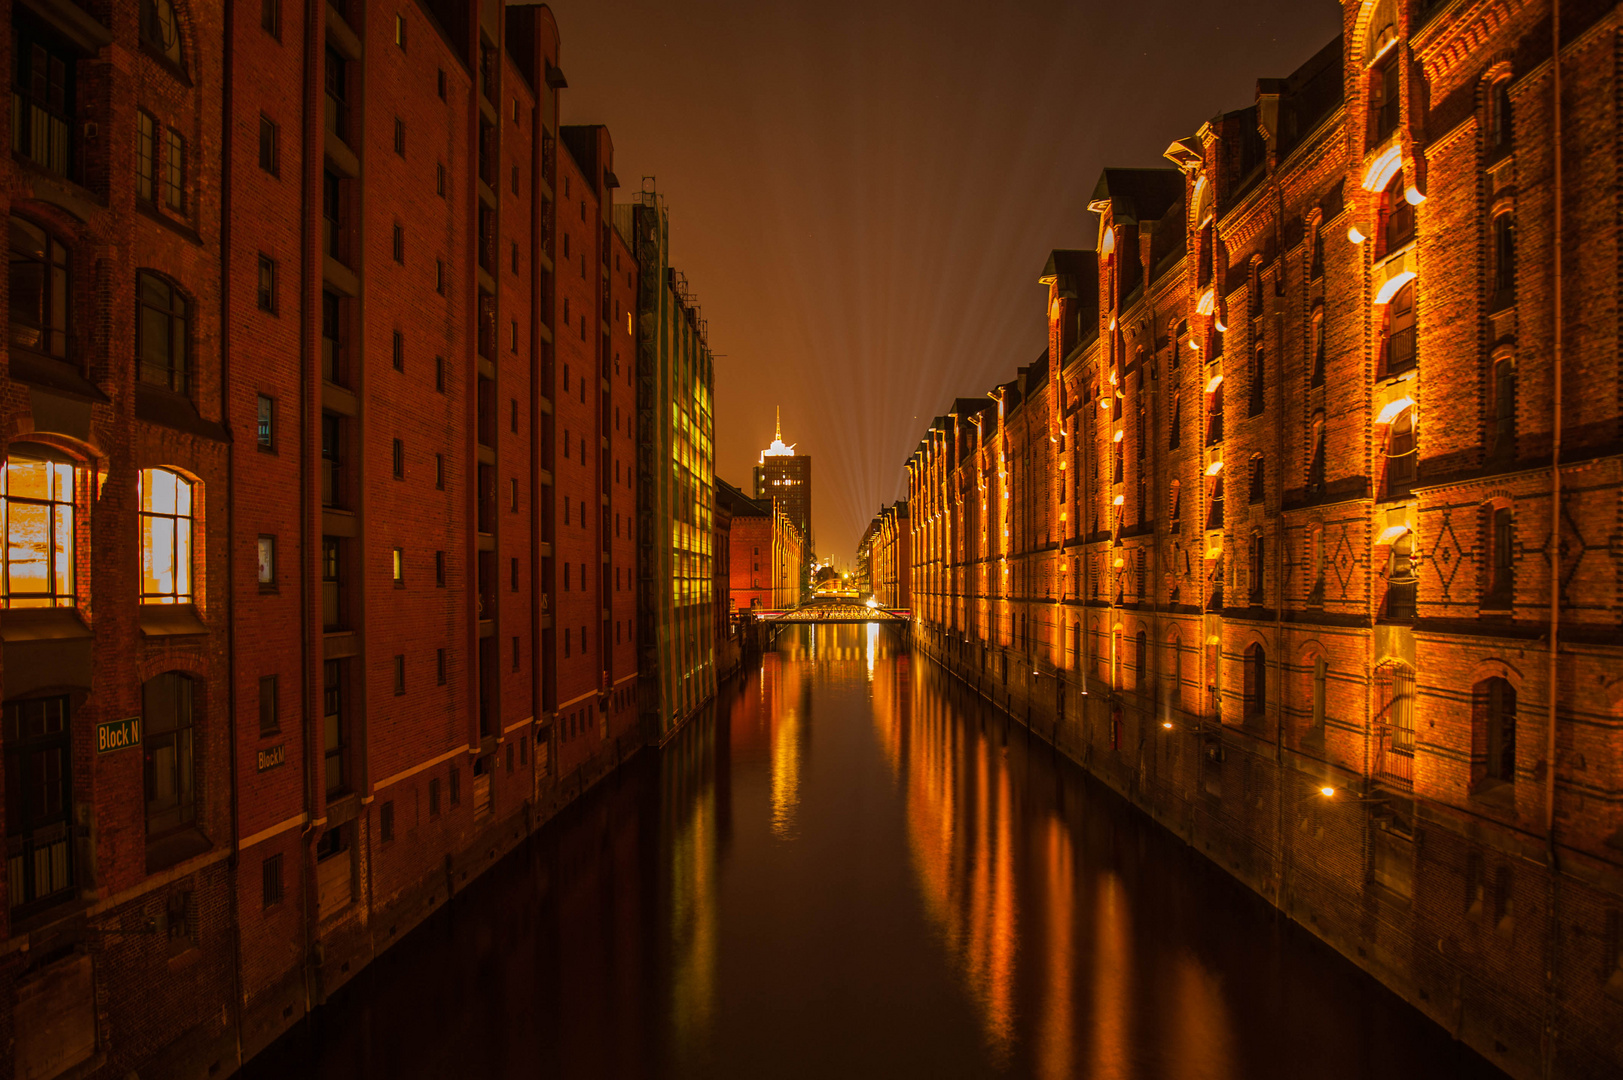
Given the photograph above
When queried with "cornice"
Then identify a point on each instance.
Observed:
(1448, 41)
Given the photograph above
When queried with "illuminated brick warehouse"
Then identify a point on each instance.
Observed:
(1301, 533)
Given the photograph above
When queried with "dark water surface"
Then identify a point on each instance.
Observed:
(850, 868)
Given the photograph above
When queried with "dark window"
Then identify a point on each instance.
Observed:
(399, 459)
(1256, 682)
(386, 821)
(270, 158)
(1259, 382)
(399, 244)
(39, 289)
(1501, 581)
(337, 96)
(439, 276)
(442, 84)
(1399, 215)
(1495, 701)
(332, 339)
(434, 797)
(38, 803)
(515, 664)
(439, 374)
(333, 217)
(1401, 452)
(400, 136)
(1321, 673)
(174, 171)
(42, 102)
(1499, 125)
(439, 179)
(1504, 406)
(1503, 292)
(1400, 579)
(1315, 269)
(439, 472)
(1258, 562)
(334, 489)
(267, 284)
(162, 329)
(399, 675)
(456, 787)
(399, 351)
(167, 719)
(160, 30)
(1317, 378)
(269, 718)
(1176, 436)
(1259, 480)
(512, 575)
(1400, 331)
(439, 667)
(146, 157)
(1386, 98)
(335, 725)
(439, 569)
(270, 876)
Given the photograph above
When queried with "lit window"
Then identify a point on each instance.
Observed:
(266, 434)
(39, 551)
(160, 30)
(267, 561)
(146, 156)
(166, 537)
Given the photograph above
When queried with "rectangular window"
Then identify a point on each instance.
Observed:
(439, 374)
(174, 171)
(162, 330)
(512, 335)
(434, 797)
(439, 171)
(165, 512)
(167, 717)
(267, 563)
(400, 136)
(456, 787)
(442, 84)
(42, 101)
(266, 433)
(400, 31)
(439, 569)
(397, 565)
(512, 496)
(335, 725)
(399, 459)
(439, 276)
(267, 284)
(399, 351)
(439, 472)
(269, 146)
(399, 244)
(512, 415)
(1504, 539)
(515, 258)
(270, 876)
(386, 821)
(269, 716)
(439, 667)
(399, 675)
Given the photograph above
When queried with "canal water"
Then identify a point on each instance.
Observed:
(850, 867)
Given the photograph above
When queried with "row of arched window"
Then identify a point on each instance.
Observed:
(41, 489)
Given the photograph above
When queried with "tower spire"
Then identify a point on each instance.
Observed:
(778, 430)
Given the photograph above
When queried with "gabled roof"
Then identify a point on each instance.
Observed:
(1140, 194)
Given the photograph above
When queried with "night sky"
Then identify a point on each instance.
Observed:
(862, 194)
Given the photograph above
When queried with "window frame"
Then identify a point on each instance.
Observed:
(181, 739)
(178, 319)
(182, 529)
(55, 272)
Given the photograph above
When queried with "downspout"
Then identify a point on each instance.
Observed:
(315, 23)
(230, 518)
(1552, 854)
(1555, 453)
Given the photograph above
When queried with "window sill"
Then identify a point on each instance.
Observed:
(171, 620)
(175, 225)
(53, 373)
(42, 624)
(156, 405)
(175, 848)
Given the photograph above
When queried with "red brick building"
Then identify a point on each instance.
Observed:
(766, 555)
(320, 506)
(1232, 567)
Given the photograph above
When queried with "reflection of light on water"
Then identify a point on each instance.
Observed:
(873, 647)
(1111, 985)
(1201, 1036)
(1054, 1050)
(785, 772)
(694, 917)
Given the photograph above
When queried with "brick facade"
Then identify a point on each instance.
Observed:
(1274, 513)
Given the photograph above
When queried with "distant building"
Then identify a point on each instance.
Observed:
(768, 556)
(675, 477)
(786, 476)
(890, 556)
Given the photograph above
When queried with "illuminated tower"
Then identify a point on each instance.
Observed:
(784, 475)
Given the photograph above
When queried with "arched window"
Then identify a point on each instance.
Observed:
(1502, 289)
(1256, 682)
(1315, 466)
(1315, 266)
(1499, 120)
(1317, 362)
(1175, 432)
(1504, 406)
(166, 512)
(1176, 696)
(1493, 707)
(1315, 565)
(1257, 563)
(1259, 479)
(1401, 452)
(1214, 415)
(39, 289)
(162, 331)
(37, 493)
(1214, 518)
(1400, 579)
(1175, 505)
(1141, 660)
(1400, 331)
(167, 704)
(1076, 646)
(1259, 382)
(160, 31)
(1399, 215)
(1321, 678)
(1499, 581)
(1386, 96)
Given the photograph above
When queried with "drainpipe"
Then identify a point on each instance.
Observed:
(1552, 855)
(1555, 452)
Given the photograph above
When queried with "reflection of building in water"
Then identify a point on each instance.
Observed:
(961, 832)
(1112, 987)
(1055, 1052)
(693, 825)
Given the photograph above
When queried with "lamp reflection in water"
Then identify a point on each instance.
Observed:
(691, 865)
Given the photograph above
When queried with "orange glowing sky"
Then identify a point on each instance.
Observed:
(862, 194)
